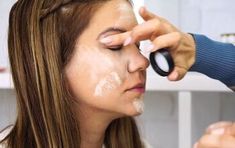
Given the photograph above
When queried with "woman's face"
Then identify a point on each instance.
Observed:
(108, 79)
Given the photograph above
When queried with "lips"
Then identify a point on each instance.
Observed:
(139, 87)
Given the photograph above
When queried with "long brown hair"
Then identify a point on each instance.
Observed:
(41, 39)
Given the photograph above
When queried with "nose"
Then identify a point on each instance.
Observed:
(136, 61)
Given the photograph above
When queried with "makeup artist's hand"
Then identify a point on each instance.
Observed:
(162, 35)
(218, 135)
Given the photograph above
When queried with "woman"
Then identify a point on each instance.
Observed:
(72, 91)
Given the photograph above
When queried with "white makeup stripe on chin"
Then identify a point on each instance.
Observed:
(107, 84)
(139, 104)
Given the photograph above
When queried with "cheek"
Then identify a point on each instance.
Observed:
(93, 74)
(108, 84)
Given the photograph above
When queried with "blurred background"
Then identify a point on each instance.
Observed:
(176, 113)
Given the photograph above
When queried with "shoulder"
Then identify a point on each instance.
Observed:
(3, 133)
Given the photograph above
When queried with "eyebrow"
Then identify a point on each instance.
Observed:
(111, 29)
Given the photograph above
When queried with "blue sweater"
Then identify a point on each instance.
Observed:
(215, 59)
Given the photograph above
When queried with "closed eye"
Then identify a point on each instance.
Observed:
(119, 47)
(116, 48)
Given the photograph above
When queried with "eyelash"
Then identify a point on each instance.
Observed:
(117, 48)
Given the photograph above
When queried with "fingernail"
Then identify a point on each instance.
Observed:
(219, 125)
(142, 9)
(106, 40)
(127, 41)
(219, 131)
(213, 126)
(175, 75)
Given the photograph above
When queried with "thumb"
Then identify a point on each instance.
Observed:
(177, 74)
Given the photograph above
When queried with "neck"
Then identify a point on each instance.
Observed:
(92, 124)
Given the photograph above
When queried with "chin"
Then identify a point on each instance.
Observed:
(129, 112)
(133, 113)
(137, 114)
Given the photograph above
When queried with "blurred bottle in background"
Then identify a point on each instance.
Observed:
(2, 69)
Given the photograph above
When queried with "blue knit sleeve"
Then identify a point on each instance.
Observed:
(215, 59)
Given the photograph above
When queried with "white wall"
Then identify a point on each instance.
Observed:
(168, 9)
(7, 107)
(5, 6)
(210, 17)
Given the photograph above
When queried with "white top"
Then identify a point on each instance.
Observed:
(8, 130)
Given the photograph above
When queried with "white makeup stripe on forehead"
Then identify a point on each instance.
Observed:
(124, 7)
(107, 84)
(139, 104)
(126, 13)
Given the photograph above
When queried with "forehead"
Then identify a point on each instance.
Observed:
(114, 13)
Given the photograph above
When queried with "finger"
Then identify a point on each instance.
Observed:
(208, 141)
(216, 141)
(228, 129)
(141, 32)
(117, 39)
(147, 30)
(170, 41)
(146, 14)
(177, 74)
(232, 130)
(219, 125)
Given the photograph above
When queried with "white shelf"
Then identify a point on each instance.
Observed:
(191, 82)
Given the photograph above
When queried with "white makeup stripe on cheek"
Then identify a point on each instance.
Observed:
(101, 63)
(107, 84)
(139, 104)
